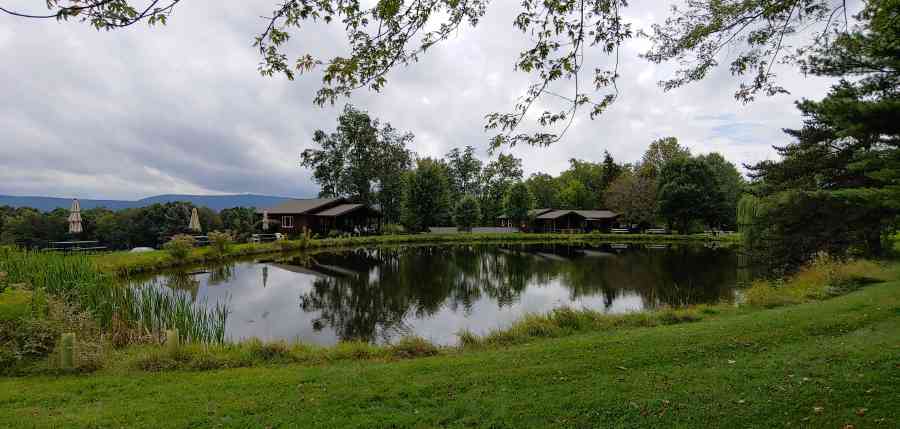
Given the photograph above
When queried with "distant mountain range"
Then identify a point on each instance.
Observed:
(215, 202)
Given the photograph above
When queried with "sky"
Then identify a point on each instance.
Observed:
(182, 108)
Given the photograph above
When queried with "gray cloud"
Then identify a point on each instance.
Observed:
(182, 108)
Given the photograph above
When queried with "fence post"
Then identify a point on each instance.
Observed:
(173, 343)
(67, 351)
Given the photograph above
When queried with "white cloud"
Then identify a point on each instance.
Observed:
(99, 110)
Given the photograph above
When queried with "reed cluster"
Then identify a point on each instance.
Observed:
(120, 313)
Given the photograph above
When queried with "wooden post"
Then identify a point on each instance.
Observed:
(173, 343)
(67, 351)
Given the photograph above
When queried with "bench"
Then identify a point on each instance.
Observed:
(264, 238)
(620, 230)
(656, 231)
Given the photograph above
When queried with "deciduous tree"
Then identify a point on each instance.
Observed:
(466, 214)
(517, 203)
(426, 196)
(633, 197)
(687, 193)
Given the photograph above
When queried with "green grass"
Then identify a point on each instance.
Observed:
(126, 263)
(14, 304)
(820, 364)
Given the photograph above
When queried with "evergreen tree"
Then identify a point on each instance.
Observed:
(837, 186)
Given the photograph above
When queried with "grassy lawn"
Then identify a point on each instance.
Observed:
(821, 364)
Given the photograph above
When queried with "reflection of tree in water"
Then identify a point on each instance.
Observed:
(674, 276)
(367, 293)
(182, 281)
(221, 274)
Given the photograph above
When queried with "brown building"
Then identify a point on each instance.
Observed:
(322, 215)
(574, 220)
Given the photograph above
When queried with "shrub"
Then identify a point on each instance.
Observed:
(258, 350)
(410, 347)
(393, 229)
(334, 234)
(35, 337)
(568, 318)
(179, 247)
(468, 338)
(220, 242)
(286, 245)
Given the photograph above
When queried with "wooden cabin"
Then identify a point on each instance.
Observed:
(322, 215)
(572, 221)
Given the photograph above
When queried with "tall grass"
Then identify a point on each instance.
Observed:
(823, 278)
(73, 278)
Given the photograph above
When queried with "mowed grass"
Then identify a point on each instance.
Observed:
(820, 364)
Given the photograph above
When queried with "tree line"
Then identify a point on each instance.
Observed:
(369, 162)
(122, 229)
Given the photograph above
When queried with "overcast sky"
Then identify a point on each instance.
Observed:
(182, 108)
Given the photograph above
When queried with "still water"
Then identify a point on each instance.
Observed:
(381, 294)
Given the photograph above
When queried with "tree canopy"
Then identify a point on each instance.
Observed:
(517, 203)
(362, 160)
(837, 186)
(687, 193)
(426, 196)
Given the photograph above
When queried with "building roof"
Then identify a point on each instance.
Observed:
(587, 214)
(299, 206)
(596, 214)
(340, 210)
(538, 212)
(531, 213)
(556, 214)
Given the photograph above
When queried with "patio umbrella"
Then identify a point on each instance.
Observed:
(195, 221)
(75, 218)
(265, 225)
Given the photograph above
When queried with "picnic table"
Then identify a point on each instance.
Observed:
(74, 246)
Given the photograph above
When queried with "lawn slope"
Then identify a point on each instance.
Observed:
(823, 364)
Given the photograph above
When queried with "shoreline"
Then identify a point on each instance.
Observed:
(124, 263)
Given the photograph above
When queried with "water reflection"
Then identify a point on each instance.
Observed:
(379, 294)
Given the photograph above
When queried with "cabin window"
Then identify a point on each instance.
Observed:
(287, 221)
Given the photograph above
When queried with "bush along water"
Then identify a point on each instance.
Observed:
(824, 277)
(46, 294)
(220, 242)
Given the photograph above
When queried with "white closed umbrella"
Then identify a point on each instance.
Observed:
(195, 221)
(265, 225)
(75, 218)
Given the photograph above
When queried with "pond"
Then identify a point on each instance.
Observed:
(381, 294)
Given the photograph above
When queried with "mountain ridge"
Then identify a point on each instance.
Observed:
(215, 202)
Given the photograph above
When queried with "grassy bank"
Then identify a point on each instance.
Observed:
(126, 263)
(824, 363)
